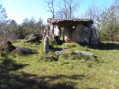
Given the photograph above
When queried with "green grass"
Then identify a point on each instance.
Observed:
(69, 72)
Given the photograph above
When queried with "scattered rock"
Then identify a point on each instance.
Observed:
(89, 54)
(116, 72)
(47, 56)
(8, 47)
(85, 53)
(36, 37)
(24, 51)
(60, 52)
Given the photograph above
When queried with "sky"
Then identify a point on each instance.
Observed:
(18, 10)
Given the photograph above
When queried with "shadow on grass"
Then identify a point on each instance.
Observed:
(103, 46)
(55, 77)
(54, 49)
(45, 85)
(10, 65)
(11, 78)
(64, 84)
(107, 46)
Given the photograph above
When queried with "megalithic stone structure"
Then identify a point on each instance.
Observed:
(75, 30)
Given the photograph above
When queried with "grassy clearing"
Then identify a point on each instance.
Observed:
(36, 72)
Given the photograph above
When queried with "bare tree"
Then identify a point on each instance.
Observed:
(73, 6)
(70, 8)
(67, 8)
(93, 13)
(116, 2)
(51, 7)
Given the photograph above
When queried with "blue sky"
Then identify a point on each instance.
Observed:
(21, 9)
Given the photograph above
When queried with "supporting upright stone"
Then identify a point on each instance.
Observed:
(46, 44)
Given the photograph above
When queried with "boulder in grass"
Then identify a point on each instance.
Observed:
(62, 51)
(47, 56)
(24, 51)
(50, 57)
(89, 54)
(10, 48)
(36, 37)
(7, 46)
